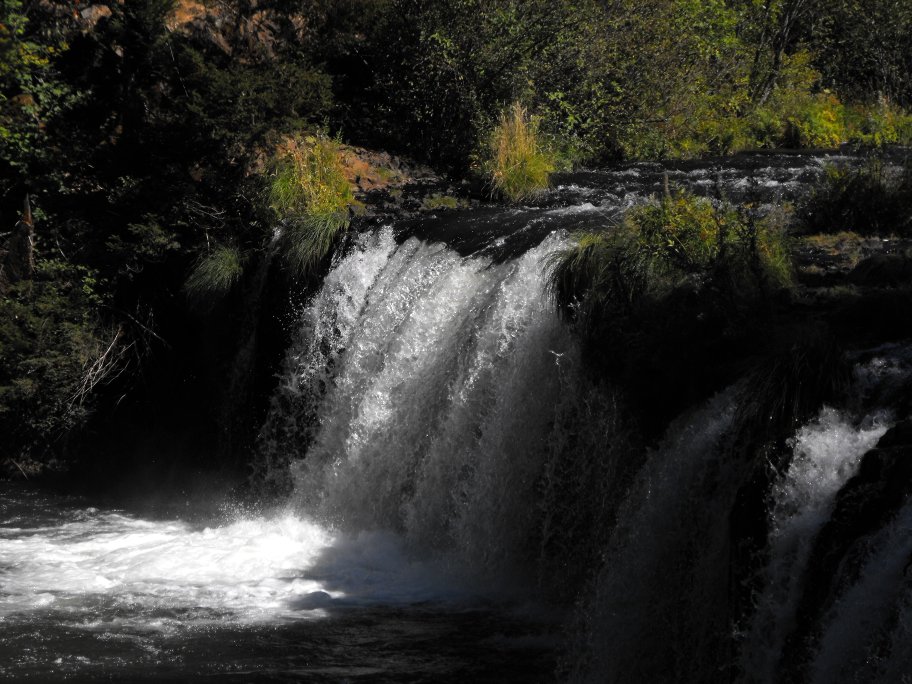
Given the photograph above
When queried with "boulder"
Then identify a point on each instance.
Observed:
(882, 270)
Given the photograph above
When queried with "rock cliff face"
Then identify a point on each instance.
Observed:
(244, 30)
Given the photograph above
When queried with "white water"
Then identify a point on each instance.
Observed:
(435, 382)
(161, 574)
(826, 453)
(249, 569)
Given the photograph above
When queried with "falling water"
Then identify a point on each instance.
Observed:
(826, 454)
(435, 381)
(444, 480)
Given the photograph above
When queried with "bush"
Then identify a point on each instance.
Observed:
(54, 354)
(678, 243)
(214, 275)
(311, 195)
(518, 164)
(870, 199)
(882, 123)
(819, 123)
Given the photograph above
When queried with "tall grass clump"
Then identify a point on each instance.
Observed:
(871, 199)
(518, 163)
(662, 250)
(214, 275)
(311, 195)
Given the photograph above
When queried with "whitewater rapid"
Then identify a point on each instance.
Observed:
(101, 566)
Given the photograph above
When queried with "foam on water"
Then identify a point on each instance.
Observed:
(154, 574)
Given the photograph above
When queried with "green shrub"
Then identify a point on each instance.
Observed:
(678, 243)
(882, 123)
(870, 199)
(819, 123)
(311, 195)
(518, 164)
(54, 352)
(215, 274)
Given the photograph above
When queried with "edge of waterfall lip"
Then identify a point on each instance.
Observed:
(502, 233)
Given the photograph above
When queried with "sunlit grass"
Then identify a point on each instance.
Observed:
(518, 164)
(311, 195)
(661, 246)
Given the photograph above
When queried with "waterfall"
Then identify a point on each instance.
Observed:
(664, 563)
(660, 608)
(437, 396)
(866, 635)
(826, 454)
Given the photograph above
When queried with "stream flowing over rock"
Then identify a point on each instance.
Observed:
(448, 493)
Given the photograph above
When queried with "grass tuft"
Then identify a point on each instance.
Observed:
(518, 164)
(869, 200)
(311, 195)
(215, 275)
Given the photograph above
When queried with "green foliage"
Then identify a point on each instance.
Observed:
(439, 201)
(863, 48)
(517, 163)
(676, 78)
(214, 275)
(820, 123)
(49, 340)
(871, 199)
(878, 124)
(30, 87)
(677, 244)
(310, 193)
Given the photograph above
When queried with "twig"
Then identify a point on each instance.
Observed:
(20, 469)
(141, 325)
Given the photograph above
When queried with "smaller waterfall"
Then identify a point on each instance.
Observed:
(664, 561)
(826, 452)
(866, 634)
(661, 607)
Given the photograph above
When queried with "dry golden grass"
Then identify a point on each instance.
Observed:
(518, 164)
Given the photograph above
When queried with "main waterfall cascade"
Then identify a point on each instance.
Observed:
(440, 464)
(439, 387)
